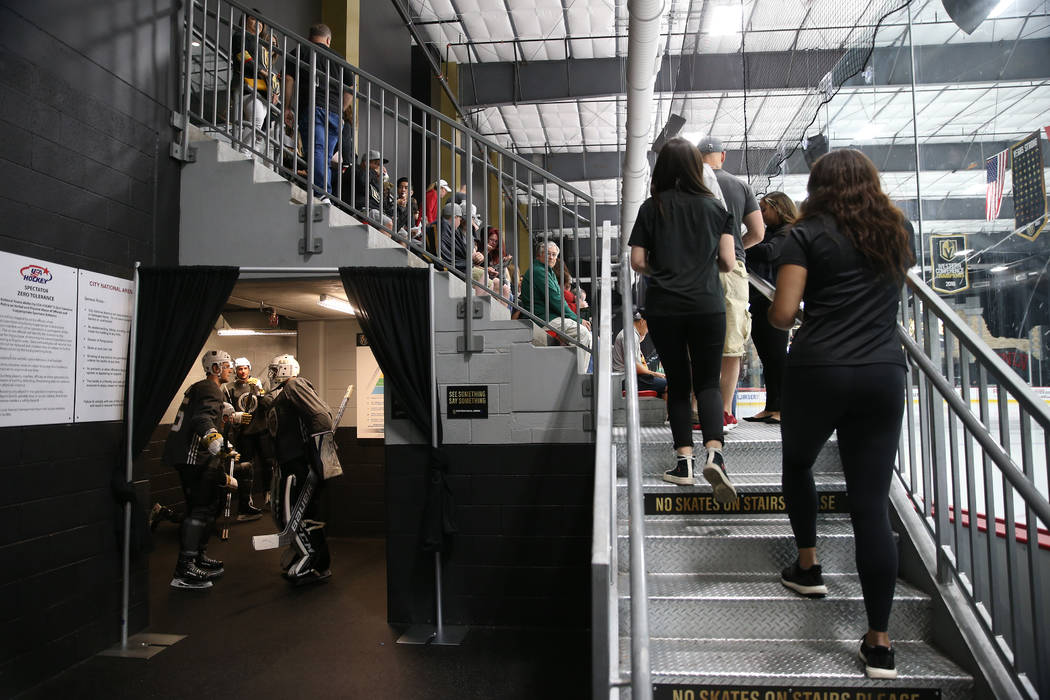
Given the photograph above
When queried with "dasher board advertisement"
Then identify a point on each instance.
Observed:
(38, 333)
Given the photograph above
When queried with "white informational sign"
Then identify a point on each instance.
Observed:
(103, 329)
(370, 417)
(38, 325)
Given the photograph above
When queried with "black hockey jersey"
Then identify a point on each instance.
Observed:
(245, 397)
(201, 411)
(295, 412)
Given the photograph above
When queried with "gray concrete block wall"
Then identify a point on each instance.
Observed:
(536, 394)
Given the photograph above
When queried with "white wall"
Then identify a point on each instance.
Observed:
(259, 349)
(328, 358)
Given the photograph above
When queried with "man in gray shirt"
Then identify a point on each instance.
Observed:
(743, 207)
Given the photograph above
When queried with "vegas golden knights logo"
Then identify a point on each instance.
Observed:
(951, 273)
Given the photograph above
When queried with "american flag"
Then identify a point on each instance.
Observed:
(995, 168)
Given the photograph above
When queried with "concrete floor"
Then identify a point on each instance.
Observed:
(251, 636)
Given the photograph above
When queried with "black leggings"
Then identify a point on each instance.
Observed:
(771, 344)
(690, 349)
(864, 403)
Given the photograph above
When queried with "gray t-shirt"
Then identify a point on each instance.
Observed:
(617, 351)
(740, 201)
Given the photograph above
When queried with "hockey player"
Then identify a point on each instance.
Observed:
(246, 431)
(295, 413)
(193, 449)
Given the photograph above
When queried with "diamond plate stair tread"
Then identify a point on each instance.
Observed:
(745, 545)
(757, 606)
(822, 662)
(691, 527)
(755, 481)
(753, 586)
(751, 450)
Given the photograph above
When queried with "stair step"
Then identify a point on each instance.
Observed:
(751, 447)
(757, 606)
(800, 665)
(738, 545)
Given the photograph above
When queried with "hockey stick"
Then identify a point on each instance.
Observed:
(286, 536)
(225, 533)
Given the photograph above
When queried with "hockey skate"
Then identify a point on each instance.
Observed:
(212, 568)
(188, 574)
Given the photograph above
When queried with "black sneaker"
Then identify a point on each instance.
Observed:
(682, 474)
(808, 582)
(878, 661)
(715, 473)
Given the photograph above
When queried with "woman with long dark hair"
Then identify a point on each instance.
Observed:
(778, 213)
(681, 239)
(846, 257)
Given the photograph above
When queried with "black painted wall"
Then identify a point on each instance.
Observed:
(522, 555)
(85, 181)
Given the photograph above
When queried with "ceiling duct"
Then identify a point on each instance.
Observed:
(643, 44)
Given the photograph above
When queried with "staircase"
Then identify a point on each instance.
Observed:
(719, 619)
(238, 211)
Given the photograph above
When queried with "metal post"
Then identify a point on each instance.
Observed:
(144, 645)
(915, 137)
(439, 635)
(470, 343)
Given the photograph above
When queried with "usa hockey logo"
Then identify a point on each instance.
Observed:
(36, 273)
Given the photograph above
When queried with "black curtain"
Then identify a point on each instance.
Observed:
(393, 308)
(178, 307)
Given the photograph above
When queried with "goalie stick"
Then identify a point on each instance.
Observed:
(292, 519)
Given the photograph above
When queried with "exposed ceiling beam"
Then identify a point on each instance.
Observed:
(494, 83)
(604, 165)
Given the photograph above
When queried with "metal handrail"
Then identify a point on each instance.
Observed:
(938, 469)
(604, 579)
(402, 129)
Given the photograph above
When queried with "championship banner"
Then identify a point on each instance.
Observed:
(1029, 187)
(951, 273)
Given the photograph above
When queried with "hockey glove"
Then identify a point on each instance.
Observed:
(213, 440)
(231, 483)
(243, 418)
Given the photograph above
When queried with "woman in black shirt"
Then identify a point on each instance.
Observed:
(778, 213)
(681, 239)
(846, 258)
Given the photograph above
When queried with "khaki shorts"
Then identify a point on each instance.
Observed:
(738, 318)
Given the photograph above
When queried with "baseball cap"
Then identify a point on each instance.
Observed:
(443, 185)
(710, 144)
(376, 155)
(451, 209)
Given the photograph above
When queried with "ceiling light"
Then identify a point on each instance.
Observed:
(336, 304)
(196, 43)
(998, 268)
(1000, 8)
(251, 331)
(726, 20)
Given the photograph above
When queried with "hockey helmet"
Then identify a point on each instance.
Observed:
(242, 362)
(215, 357)
(283, 368)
